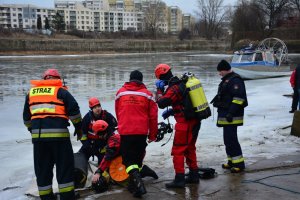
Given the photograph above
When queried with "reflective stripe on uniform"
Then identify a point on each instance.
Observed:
(27, 123)
(229, 158)
(43, 108)
(53, 130)
(83, 138)
(131, 167)
(235, 120)
(103, 150)
(50, 133)
(66, 187)
(135, 93)
(237, 159)
(45, 190)
(238, 101)
(75, 118)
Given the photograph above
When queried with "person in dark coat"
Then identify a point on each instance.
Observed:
(231, 100)
(92, 145)
(47, 110)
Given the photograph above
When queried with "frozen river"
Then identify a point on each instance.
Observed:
(103, 75)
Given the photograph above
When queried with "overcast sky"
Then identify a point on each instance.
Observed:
(187, 6)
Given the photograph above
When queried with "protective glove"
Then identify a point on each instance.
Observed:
(29, 129)
(160, 84)
(96, 177)
(167, 113)
(78, 133)
(98, 171)
(229, 117)
(84, 142)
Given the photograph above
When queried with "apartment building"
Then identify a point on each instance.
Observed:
(92, 15)
(188, 21)
(96, 5)
(78, 17)
(63, 4)
(175, 20)
(20, 16)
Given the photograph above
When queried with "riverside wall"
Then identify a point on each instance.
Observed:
(91, 45)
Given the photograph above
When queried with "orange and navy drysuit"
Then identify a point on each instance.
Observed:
(186, 131)
(136, 112)
(231, 99)
(91, 144)
(47, 110)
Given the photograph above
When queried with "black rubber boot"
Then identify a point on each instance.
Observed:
(178, 182)
(193, 177)
(50, 196)
(147, 171)
(131, 186)
(138, 183)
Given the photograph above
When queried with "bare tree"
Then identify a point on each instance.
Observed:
(247, 21)
(154, 16)
(296, 4)
(212, 16)
(248, 17)
(273, 9)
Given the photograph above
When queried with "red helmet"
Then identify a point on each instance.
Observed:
(51, 72)
(99, 126)
(161, 69)
(93, 101)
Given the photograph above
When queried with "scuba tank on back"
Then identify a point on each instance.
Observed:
(195, 102)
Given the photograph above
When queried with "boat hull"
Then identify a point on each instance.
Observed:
(261, 72)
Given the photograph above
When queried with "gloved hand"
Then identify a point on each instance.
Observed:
(160, 84)
(96, 177)
(229, 117)
(167, 113)
(29, 129)
(98, 171)
(78, 132)
(84, 142)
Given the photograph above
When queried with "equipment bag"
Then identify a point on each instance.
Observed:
(194, 99)
(80, 170)
(295, 130)
(207, 173)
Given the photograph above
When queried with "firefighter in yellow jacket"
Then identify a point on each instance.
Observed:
(47, 110)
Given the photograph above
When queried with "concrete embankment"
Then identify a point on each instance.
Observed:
(276, 178)
(8, 45)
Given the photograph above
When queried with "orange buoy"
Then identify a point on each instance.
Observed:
(117, 170)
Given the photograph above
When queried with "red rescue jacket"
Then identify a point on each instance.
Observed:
(293, 79)
(136, 110)
(112, 151)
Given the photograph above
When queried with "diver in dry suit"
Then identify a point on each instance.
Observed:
(186, 131)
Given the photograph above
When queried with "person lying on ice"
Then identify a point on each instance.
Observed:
(113, 140)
